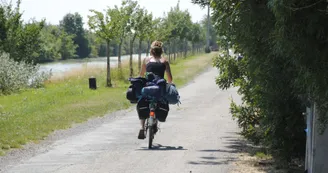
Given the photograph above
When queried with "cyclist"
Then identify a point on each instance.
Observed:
(157, 65)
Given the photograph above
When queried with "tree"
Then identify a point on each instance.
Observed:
(142, 26)
(105, 29)
(202, 3)
(21, 41)
(195, 35)
(212, 31)
(122, 19)
(73, 25)
(136, 14)
(171, 27)
(50, 44)
(152, 33)
(94, 44)
(185, 28)
(56, 44)
(177, 23)
(67, 48)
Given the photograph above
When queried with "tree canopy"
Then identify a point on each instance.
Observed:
(73, 24)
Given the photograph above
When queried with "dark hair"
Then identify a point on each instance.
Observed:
(156, 48)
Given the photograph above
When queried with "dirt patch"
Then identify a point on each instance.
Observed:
(251, 164)
(251, 159)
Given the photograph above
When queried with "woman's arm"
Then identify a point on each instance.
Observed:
(168, 72)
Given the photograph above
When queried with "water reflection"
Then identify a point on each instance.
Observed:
(58, 68)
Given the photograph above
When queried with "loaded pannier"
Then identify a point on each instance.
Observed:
(150, 87)
(143, 109)
(161, 111)
(155, 89)
(172, 94)
(134, 91)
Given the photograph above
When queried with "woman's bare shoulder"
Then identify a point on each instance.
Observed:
(164, 60)
(146, 59)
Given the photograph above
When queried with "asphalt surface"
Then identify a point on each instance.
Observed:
(198, 137)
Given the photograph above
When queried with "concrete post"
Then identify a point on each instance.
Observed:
(316, 160)
(309, 138)
(319, 160)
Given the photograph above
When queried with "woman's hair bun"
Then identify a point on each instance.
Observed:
(156, 44)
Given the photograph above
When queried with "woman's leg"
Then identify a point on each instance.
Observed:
(142, 122)
(142, 119)
(141, 134)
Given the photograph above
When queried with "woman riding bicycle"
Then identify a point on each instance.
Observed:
(157, 65)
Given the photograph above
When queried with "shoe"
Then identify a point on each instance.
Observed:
(141, 134)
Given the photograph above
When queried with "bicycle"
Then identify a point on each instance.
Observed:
(151, 122)
(154, 94)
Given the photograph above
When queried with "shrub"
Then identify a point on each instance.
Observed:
(15, 76)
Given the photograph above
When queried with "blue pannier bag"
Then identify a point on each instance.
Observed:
(172, 94)
(162, 85)
(155, 87)
(153, 91)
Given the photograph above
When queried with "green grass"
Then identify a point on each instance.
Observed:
(33, 114)
(184, 70)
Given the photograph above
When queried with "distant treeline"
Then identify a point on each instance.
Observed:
(40, 41)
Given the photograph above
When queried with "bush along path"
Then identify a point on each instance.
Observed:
(31, 115)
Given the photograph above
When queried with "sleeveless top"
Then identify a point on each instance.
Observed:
(157, 68)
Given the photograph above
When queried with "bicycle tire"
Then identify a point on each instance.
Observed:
(151, 135)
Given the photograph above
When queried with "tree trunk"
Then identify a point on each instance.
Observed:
(185, 48)
(193, 48)
(148, 47)
(131, 57)
(174, 50)
(108, 81)
(181, 48)
(139, 58)
(119, 62)
(169, 51)
(198, 48)
(179, 55)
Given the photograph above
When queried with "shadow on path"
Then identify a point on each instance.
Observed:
(160, 147)
(223, 155)
(234, 150)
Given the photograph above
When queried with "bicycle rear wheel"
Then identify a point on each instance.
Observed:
(151, 120)
(151, 136)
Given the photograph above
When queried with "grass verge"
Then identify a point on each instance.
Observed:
(33, 114)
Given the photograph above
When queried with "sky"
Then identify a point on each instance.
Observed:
(54, 10)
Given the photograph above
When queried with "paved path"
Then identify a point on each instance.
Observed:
(197, 138)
